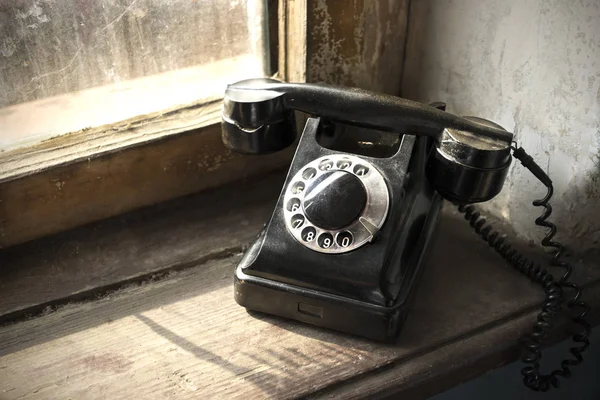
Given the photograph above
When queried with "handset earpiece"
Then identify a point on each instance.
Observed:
(256, 121)
(466, 168)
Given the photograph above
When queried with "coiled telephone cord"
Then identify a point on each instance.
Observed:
(535, 341)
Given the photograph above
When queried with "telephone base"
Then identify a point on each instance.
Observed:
(332, 311)
(319, 308)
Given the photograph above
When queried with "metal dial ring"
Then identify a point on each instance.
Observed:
(348, 238)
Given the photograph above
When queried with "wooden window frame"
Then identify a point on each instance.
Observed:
(98, 173)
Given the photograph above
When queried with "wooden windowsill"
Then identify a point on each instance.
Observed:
(74, 182)
(141, 305)
(91, 174)
(87, 144)
(96, 173)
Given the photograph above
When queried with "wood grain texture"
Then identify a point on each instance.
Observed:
(65, 197)
(82, 262)
(293, 40)
(183, 336)
(90, 143)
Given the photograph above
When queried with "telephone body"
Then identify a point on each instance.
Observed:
(355, 273)
(346, 244)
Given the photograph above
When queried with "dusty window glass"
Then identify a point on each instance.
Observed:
(66, 65)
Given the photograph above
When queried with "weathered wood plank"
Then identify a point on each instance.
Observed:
(293, 39)
(61, 198)
(87, 144)
(456, 361)
(168, 236)
(184, 336)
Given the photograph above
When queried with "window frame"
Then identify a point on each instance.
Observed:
(70, 181)
(53, 185)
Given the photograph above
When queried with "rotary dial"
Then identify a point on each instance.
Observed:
(336, 204)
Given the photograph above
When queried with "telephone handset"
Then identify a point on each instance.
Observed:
(344, 248)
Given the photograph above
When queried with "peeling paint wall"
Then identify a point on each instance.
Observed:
(534, 68)
(357, 43)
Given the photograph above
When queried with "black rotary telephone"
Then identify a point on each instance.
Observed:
(345, 245)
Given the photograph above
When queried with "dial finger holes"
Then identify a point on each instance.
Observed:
(308, 234)
(343, 164)
(298, 187)
(293, 204)
(344, 239)
(325, 165)
(327, 232)
(361, 170)
(297, 221)
(309, 173)
(325, 240)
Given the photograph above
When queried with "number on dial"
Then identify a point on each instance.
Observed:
(293, 204)
(308, 234)
(298, 187)
(326, 165)
(325, 240)
(309, 173)
(297, 221)
(344, 239)
(361, 170)
(343, 164)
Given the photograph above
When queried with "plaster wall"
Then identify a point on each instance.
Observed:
(533, 67)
